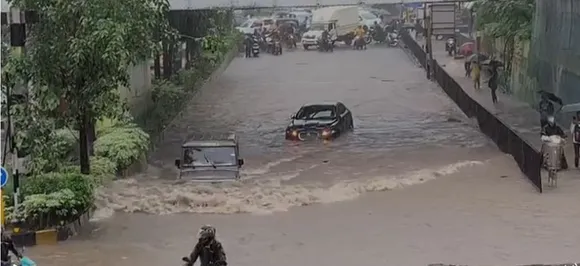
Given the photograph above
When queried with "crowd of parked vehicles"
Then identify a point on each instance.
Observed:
(322, 28)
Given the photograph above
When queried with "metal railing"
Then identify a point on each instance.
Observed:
(507, 140)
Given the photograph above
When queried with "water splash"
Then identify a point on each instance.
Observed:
(249, 196)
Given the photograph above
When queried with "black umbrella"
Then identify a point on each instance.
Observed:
(551, 96)
(477, 57)
(493, 62)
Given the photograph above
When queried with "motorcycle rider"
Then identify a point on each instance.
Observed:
(7, 247)
(209, 250)
(379, 32)
(552, 129)
(359, 34)
(324, 38)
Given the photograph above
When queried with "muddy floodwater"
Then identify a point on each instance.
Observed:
(415, 183)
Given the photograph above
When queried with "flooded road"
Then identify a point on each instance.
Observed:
(406, 132)
(403, 123)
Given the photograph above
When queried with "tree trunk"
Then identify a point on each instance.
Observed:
(166, 61)
(91, 136)
(187, 54)
(83, 142)
(157, 66)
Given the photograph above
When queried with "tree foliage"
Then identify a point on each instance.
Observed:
(506, 18)
(79, 53)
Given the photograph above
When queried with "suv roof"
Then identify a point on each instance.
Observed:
(212, 140)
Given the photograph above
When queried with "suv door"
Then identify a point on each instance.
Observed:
(346, 116)
(341, 110)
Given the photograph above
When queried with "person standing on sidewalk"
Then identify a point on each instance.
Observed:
(476, 75)
(492, 83)
(575, 131)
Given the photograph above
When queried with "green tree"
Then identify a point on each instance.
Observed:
(506, 18)
(79, 52)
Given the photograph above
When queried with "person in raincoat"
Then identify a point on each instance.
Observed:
(208, 249)
(359, 34)
(476, 74)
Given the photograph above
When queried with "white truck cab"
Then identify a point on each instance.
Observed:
(340, 21)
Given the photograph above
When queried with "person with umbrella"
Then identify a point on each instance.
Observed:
(546, 106)
(492, 82)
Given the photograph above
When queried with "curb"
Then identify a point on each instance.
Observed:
(52, 236)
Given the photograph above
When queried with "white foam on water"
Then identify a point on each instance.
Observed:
(266, 168)
(260, 196)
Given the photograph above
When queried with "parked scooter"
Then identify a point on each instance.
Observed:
(450, 46)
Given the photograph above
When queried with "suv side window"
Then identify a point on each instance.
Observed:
(341, 108)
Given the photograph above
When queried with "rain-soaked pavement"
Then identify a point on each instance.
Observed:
(406, 132)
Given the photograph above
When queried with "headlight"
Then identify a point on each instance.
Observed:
(294, 133)
(326, 132)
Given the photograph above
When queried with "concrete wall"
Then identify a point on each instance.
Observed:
(138, 95)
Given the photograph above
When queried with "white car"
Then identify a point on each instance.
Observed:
(249, 26)
(367, 18)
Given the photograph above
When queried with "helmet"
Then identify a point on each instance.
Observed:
(206, 232)
(551, 120)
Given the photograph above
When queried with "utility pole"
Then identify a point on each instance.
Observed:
(17, 20)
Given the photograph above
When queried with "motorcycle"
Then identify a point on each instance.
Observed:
(325, 45)
(291, 41)
(359, 43)
(256, 47)
(379, 37)
(393, 39)
(369, 36)
(450, 46)
(553, 149)
(276, 47)
(24, 261)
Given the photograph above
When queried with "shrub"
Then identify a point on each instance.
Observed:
(54, 198)
(103, 170)
(40, 211)
(123, 146)
(81, 185)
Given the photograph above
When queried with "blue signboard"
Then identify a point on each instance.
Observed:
(4, 175)
(413, 5)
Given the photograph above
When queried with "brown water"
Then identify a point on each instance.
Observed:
(406, 132)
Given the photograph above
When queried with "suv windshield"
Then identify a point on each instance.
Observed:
(367, 15)
(318, 26)
(209, 156)
(322, 112)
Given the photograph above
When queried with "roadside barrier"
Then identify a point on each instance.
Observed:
(507, 140)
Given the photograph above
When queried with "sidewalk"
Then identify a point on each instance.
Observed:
(520, 116)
